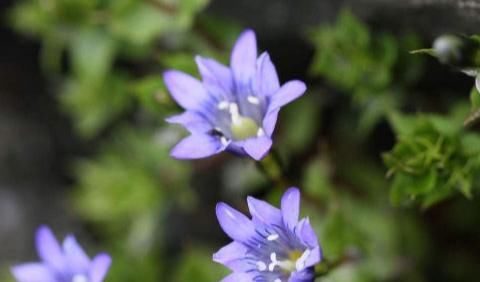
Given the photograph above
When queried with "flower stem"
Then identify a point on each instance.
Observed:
(326, 266)
(271, 166)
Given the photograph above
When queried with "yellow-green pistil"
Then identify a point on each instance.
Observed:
(242, 127)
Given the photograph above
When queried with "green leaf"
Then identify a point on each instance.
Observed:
(140, 23)
(428, 51)
(152, 93)
(406, 188)
(474, 115)
(92, 53)
(179, 61)
(94, 106)
(471, 144)
(402, 124)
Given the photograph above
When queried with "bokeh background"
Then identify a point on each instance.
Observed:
(84, 146)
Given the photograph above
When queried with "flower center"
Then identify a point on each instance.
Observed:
(242, 127)
(295, 262)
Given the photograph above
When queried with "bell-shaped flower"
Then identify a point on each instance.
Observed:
(273, 246)
(233, 108)
(65, 263)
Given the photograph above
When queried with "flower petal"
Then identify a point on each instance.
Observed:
(263, 212)
(99, 267)
(314, 257)
(232, 256)
(217, 78)
(238, 277)
(286, 94)
(236, 147)
(197, 146)
(186, 90)
(266, 78)
(306, 275)
(244, 58)
(236, 225)
(270, 120)
(257, 148)
(306, 234)
(48, 248)
(32, 272)
(291, 207)
(76, 258)
(192, 121)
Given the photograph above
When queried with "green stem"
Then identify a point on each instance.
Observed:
(272, 167)
(326, 266)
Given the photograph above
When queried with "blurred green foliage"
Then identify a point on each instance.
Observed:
(95, 38)
(434, 157)
(195, 265)
(373, 67)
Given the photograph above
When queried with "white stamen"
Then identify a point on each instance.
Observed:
(224, 140)
(253, 100)
(261, 266)
(223, 105)
(79, 278)
(273, 258)
(272, 237)
(277, 280)
(300, 263)
(233, 109)
(260, 132)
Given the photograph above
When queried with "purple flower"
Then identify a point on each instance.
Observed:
(271, 247)
(66, 263)
(233, 108)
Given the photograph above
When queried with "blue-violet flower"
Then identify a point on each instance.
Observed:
(271, 247)
(66, 263)
(233, 108)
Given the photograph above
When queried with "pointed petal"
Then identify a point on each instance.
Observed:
(306, 275)
(238, 277)
(236, 225)
(286, 94)
(236, 147)
(314, 258)
(76, 258)
(48, 248)
(266, 78)
(244, 58)
(197, 146)
(186, 90)
(192, 121)
(217, 78)
(99, 267)
(306, 234)
(263, 212)
(257, 148)
(291, 207)
(230, 252)
(270, 120)
(232, 256)
(32, 272)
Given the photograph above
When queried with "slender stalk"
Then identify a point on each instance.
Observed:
(272, 167)
(326, 266)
